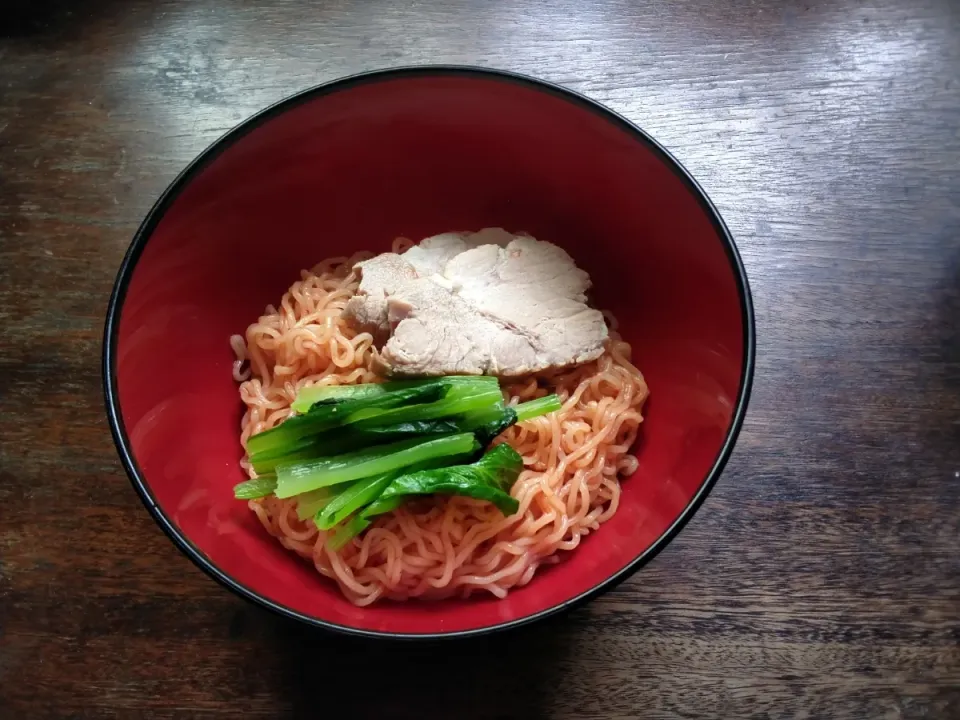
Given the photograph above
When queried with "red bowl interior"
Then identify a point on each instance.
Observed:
(352, 165)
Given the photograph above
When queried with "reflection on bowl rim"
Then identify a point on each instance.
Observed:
(169, 195)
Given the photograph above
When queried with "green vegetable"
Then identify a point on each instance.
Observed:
(365, 492)
(330, 416)
(309, 504)
(486, 425)
(486, 431)
(348, 439)
(382, 505)
(334, 442)
(352, 499)
(413, 428)
(357, 451)
(267, 460)
(458, 400)
(416, 399)
(538, 407)
(356, 525)
(490, 478)
(310, 396)
(258, 487)
(304, 477)
(356, 437)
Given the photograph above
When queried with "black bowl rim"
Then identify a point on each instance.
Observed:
(156, 213)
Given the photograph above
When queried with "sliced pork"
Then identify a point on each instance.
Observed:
(478, 303)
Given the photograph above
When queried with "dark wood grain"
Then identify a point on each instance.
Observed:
(822, 577)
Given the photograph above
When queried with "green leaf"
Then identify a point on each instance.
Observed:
(455, 403)
(372, 404)
(316, 394)
(309, 504)
(487, 424)
(538, 407)
(304, 477)
(258, 487)
(356, 525)
(309, 397)
(487, 431)
(382, 505)
(490, 478)
(266, 461)
(352, 499)
(412, 428)
(327, 417)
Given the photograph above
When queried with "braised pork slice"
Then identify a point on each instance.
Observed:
(432, 254)
(478, 303)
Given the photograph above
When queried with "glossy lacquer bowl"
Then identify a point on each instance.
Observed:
(349, 166)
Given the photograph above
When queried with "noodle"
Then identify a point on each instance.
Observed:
(441, 546)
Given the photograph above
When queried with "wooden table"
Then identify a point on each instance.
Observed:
(821, 579)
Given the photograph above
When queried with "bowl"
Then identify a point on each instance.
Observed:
(350, 165)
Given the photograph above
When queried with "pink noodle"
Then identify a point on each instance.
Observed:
(443, 546)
